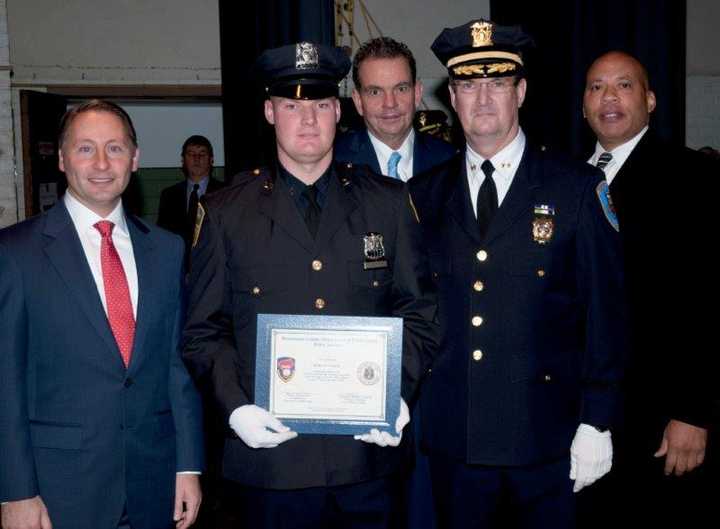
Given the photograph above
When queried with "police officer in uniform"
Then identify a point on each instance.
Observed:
(295, 238)
(524, 247)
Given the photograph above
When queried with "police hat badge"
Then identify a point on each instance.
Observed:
(543, 225)
(374, 251)
(285, 368)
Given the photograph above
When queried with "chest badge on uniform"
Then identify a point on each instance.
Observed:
(543, 225)
(603, 193)
(374, 251)
(285, 368)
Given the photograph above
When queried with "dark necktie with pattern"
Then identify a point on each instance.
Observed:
(604, 159)
(487, 199)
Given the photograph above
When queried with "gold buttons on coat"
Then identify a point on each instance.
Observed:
(319, 303)
(477, 321)
(548, 378)
(477, 355)
(478, 286)
(256, 291)
(541, 273)
(317, 265)
(482, 256)
(375, 283)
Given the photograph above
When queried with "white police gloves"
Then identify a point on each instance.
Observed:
(590, 456)
(384, 438)
(258, 428)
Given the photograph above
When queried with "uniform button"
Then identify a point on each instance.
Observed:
(482, 256)
(319, 303)
(477, 355)
(256, 291)
(375, 283)
(547, 378)
(317, 265)
(478, 286)
(477, 321)
(128, 382)
(541, 273)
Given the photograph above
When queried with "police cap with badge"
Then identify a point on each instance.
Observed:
(303, 70)
(482, 48)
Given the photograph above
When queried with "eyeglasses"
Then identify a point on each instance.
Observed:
(497, 85)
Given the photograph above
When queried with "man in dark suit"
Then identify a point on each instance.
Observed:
(516, 411)
(178, 203)
(101, 423)
(290, 240)
(386, 95)
(667, 409)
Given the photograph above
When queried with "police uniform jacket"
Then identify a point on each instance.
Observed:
(533, 326)
(256, 255)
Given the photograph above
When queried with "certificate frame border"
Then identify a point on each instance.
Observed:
(264, 369)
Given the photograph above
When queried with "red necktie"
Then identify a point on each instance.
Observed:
(117, 293)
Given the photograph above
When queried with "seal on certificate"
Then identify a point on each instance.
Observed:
(285, 368)
(368, 373)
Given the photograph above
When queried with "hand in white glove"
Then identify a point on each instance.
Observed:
(590, 456)
(258, 428)
(385, 438)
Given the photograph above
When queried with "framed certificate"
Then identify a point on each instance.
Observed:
(329, 374)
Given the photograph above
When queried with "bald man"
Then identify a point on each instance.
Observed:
(655, 189)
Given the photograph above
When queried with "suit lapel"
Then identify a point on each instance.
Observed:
(459, 204)
(66, 254)
(149, 270)
(276, 203)
(519, 197)
(420, 151)
(365, 150)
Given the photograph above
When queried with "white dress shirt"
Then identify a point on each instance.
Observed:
(84, 219)
(619, 155)
(383, 152)
(505, 162)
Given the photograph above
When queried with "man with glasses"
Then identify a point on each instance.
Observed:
(524, 248)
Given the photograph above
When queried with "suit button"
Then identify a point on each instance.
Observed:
(478, 286)
(317, 265)
(477, 321)
(482, 256)
(256, 291)
(128, 382)
(477, 355)
(541, 273)
(319, 303)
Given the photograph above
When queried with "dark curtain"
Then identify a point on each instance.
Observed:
(246, 29)
(570, 34)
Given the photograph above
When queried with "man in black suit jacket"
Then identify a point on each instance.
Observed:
(290, 240)
(178, 207)
(386, 95)
(517, 408)
(657, 191)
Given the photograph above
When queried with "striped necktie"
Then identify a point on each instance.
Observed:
(604, 159)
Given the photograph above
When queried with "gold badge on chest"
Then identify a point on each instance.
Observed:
(543, 224)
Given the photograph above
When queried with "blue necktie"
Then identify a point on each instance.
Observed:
(393, 165)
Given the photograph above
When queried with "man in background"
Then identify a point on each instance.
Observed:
(386, 95)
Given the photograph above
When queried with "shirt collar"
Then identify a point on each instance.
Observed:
(619, 153)
(505, 161)
(405, 149)
(203, 183)
(84, 218)
(296, 186)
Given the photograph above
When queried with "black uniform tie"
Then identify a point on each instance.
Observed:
(487, 199)
(312, 213)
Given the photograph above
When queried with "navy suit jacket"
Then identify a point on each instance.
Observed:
(356, 147)
(533, 334)
(78, 429)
